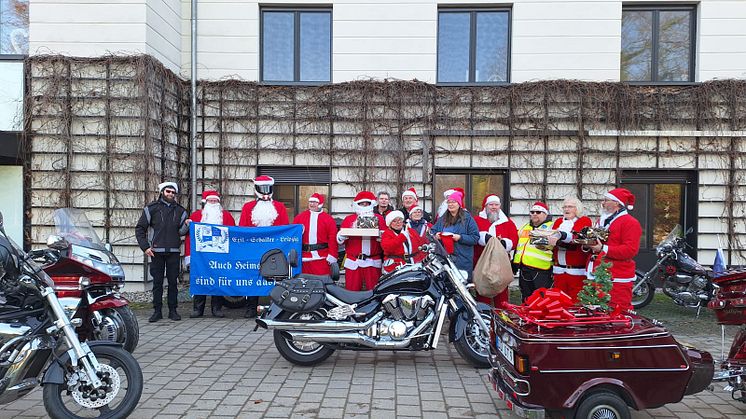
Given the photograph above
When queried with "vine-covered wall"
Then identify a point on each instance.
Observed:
(103, 132)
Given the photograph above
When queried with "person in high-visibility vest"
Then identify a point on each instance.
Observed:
(535, 265)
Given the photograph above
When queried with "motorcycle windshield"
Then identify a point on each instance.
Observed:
(73, 226)
(671, 237)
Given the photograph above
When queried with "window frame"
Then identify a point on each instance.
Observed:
(472, 42)
(656, 9)
(469, 172)
(296, 10)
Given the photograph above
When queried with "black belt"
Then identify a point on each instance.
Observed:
(312, 247)
(362, 256)
(407, 256)
(569, 267)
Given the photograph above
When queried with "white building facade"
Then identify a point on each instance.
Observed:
(687, 172)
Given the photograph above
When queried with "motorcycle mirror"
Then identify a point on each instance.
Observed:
(334, 271)
(56, 242)
(293, 258)
(108, 247)
(689, 231)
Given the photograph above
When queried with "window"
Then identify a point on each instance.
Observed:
(473, 46)
(658, 44)
(476, 184)
(294, 185)
(14, 27)
(296, 45)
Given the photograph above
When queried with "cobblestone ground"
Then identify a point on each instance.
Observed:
(199, 368)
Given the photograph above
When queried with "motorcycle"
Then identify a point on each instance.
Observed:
(39, 345)
(87, 278)
(680, 277)
(729, 304)
(312, 317)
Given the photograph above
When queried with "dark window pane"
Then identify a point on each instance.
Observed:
(674, 45)
(14, 27)
(453, 47)
(492, 47)
(286, 195)
(444, 182)
(277, 46)
(667, 211)
(637, 45)
(315, 46)
(483, 185)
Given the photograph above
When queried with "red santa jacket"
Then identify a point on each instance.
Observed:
(570, 258)
(504, 228)
(368, 247)
(621, 247)
(247, 221)
(197, 218)
(398, 248)
(319, 228)
(418, 237)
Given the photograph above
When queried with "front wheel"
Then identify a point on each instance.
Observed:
(301, 353)
(117, 398)
(643, 291)
(474, 343)
(119, 325)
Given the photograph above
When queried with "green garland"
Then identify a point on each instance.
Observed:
(595, 292)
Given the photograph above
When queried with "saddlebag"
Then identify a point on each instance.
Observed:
(298, 295)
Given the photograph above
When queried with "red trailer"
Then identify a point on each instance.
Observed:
(593, 365)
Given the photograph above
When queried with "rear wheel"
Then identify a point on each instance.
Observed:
(603, 405)
(301, 353)
(474, 343)
(235, 302)
(643, 291)
(119, 324)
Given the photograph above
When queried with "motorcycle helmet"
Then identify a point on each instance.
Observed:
(263, 185)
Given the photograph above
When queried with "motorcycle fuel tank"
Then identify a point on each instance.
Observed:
(687, 264)
(404, 280)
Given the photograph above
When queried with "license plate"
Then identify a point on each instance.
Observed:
(505, 350)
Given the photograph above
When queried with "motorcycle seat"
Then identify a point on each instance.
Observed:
(349, 297)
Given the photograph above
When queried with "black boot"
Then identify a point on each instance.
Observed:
(216, 306)
(217, 312)
(199, 306)
(157, 315)
(173, 315)
(250, 312)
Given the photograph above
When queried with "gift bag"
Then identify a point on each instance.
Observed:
(493, 272)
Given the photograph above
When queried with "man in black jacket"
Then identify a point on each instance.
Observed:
(158, 233)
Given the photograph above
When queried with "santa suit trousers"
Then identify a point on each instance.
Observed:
(354, 278)
(316, 267)
(497, 301)
(570, 284)
(621, 295)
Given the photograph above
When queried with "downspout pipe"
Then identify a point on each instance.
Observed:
(193, 122)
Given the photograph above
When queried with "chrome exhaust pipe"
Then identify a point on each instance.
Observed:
(319, 325)
(356, 337)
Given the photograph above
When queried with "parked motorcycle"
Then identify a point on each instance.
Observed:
(312, 317)
(39, 345)
(87, 278)
(680, 277)
(729, 304)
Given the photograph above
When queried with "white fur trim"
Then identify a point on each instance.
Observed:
(168, 184)
(491, 199)
(613, 198)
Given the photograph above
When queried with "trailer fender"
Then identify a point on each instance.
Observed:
(602, 383)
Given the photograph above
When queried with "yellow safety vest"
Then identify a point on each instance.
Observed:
(527, 254)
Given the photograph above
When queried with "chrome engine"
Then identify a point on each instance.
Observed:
(404, 313)
(687, 290)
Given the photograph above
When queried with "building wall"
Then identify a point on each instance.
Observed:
(577, 39)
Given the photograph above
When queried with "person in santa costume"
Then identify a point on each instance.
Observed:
(418, 228)
(535, 264)
(320, 247)
(409, 199)
(569, 261)
(212, 213)
(444, 205)
(262, 212)
(362, 254)
(397, 242)
(493, 223)
(620, 248)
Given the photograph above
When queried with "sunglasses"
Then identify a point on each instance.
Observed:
(535, 212)
(169, 191)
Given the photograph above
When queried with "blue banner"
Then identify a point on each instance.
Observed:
(225, 260)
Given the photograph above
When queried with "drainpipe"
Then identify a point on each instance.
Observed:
(193, 123)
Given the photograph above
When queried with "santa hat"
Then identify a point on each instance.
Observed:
(622, 196)
(393, 215)
(416, 208)
(165, 185)
(448, 192)
(489, 199)
(210, 193)
(317, 197)
(540, 206)
(364, 196)
(458, 197)
(409, 192)
(264, 180)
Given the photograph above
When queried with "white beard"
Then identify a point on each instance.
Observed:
(602, 218)
(264, 214)
(442, 208)
(212, 214)
(360, 210)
